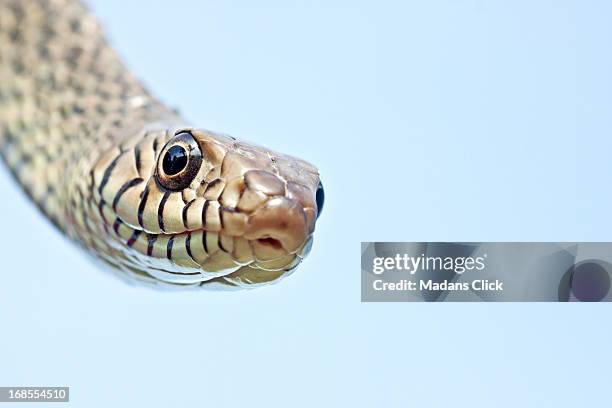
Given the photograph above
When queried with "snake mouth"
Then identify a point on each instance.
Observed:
(213, 241)
(200, 255)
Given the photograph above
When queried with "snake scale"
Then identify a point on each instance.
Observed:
(126, 177)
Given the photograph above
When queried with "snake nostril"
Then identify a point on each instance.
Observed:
(273, 242)
(320, 199)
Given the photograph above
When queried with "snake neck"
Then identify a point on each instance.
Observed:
(65, 97)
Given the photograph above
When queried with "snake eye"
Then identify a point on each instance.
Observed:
(179, 162)
(175, 160)
(320, 197)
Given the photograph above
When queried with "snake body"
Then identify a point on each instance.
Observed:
(126, 177)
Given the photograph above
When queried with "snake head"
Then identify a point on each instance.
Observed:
(192, 207)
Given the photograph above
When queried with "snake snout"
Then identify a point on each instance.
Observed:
(281, 224)
(285, 220)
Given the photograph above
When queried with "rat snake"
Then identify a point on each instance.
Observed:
(126, 178)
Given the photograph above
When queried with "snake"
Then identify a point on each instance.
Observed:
(125, 177)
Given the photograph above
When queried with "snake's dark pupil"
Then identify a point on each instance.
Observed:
(175, 160)
(320, 198)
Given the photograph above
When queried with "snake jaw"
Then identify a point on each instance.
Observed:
(245, 217)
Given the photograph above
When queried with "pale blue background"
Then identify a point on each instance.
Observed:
(430, 120)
